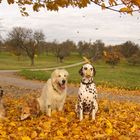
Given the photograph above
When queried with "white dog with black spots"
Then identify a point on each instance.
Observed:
(87, 93)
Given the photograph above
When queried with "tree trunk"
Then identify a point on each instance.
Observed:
(32, 61)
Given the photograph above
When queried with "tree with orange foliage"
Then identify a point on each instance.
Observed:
(112, 57)
(122, 6)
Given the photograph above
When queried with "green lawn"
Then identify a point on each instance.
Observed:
(122, 76)
(10, 61)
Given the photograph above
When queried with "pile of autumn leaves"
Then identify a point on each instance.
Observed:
(114, 120)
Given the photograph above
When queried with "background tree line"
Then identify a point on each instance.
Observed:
(23, 41)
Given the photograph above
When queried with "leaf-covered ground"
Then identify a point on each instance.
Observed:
(114, 120)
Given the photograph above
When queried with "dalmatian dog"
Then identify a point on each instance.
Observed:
(87, 93)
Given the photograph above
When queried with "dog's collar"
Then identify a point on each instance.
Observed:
(87, 83)
(55, 88)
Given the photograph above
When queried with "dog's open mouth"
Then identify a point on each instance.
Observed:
(62, 86)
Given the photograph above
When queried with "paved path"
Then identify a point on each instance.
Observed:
(9, 78)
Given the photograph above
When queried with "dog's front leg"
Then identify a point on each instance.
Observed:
(61, 104)
(93, 114)
(49, 111)
(81, 111)
(60, 108)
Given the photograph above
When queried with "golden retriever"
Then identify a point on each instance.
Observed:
(54, 92)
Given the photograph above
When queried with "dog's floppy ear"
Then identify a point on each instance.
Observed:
(53, 75)
(94, 71)
(81, 71)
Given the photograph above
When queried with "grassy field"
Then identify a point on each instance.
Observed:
(122, 76)
(10, 61)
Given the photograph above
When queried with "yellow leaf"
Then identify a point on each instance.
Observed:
(34, 134)
(108, 131)
(63, 119)
(25, 138)
(1, 127)
(42, 135)
(12, 124)
(104, 52)
(99, 136)
(3, 133)
(123, 137)
(126, 10)
(103, 6)
(136, 2)
(59, 133)
(86, 60)
(112, 2)
(109, 128)
(10, 1)
(133, 128)
(76, 136)
(72, 114)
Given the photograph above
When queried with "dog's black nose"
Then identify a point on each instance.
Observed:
(63, 81)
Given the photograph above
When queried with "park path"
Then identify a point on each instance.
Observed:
(8, 77)
(45, 69)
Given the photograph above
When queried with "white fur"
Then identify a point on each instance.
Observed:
(87, 93)
(53, 96)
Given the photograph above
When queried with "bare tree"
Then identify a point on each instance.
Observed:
(96, 50)
(128, 49)
(134, 59)
(84, 48)
(91, 50)
(26, 40)
(62, 50)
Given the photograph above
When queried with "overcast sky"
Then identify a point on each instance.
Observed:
(87, 24)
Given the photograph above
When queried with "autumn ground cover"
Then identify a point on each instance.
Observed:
(115, 120)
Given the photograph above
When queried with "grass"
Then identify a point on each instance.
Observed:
(9, 61)
(122, 76)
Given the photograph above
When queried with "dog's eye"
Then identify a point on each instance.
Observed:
(85, 68)
(91, 68)
(64, 75)
(59, 75)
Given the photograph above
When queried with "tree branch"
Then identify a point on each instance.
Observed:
(112, 9)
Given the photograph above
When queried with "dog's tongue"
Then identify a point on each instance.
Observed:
(63, 86)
